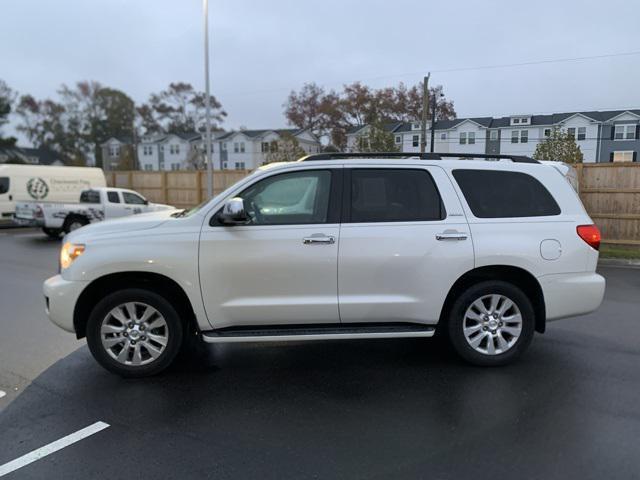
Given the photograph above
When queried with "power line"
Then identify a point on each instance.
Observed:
(456, 69)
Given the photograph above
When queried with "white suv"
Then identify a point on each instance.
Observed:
(338, 246)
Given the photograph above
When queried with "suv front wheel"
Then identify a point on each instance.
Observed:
(134, 333)
(491, 323)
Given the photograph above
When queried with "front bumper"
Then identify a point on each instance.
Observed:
(61, 296)
(571, 294)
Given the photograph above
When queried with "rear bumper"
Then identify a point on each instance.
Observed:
(61, 296)
(28, 222)
(571, 294)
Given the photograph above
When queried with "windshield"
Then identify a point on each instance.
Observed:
(192, 211)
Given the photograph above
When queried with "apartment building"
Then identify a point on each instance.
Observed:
(248, 149)
(603, 136)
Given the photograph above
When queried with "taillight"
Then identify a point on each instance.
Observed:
(590, 234)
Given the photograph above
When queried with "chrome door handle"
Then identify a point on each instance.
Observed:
(326, 239)
(451, 236)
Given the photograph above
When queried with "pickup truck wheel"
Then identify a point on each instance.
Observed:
(134, 333)
(73, 223)
(52, 232)
(491, 323)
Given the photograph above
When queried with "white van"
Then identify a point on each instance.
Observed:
(23, 183)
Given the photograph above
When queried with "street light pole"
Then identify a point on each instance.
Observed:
(205, 6)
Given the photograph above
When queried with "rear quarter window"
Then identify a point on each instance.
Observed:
(501, 194)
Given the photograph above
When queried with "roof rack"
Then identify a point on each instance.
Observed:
(421, 156)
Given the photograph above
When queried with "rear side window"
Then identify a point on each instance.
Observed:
(499, 194)
(90, 196)
(4, 185)
(394, 195)
(113, 197)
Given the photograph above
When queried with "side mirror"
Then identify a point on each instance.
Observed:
(233, 212)
(146, 202)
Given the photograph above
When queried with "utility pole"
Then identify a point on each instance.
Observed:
(425, 113)
(205, 6)
(433, 122)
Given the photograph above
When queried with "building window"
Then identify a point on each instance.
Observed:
(239, 165)
(147, 150)
(463, 138)
(524, 136)
(516, 120)
(625, 156)
(236, 147)
(416, 126)
(472, 138)
(241, 147)
(515, 136)
(398, 139)
(223, 146)
(443, 136)
(273, 146)
(582, 133)
(493, 135)
(571, 132)
(224, 166)
(148, 167)
(174, 149)
(175, 166)
(547, 132)
(416, 141)
(265, 147)
(524, 120)
(625, 132)
(114, 150)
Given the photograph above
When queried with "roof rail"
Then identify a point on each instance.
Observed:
(421, 156)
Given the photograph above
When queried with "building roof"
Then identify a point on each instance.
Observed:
(44, 155)
(255, 134)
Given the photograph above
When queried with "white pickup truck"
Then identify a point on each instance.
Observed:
(95, 205)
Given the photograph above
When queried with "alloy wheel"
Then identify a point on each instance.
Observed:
(492, 324)
(134, 333)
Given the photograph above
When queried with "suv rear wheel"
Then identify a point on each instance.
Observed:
(491, 323)
(134, 333)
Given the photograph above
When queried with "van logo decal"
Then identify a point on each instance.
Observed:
(37, 188)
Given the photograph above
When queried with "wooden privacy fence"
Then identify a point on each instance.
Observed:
(609, 191)
(611, 194)
(182, 189)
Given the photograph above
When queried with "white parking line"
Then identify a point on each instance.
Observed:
(2, 393)
(51, 448)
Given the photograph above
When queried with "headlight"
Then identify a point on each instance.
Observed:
(69, 252)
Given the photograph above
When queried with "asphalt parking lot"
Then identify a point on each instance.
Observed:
(352, 409)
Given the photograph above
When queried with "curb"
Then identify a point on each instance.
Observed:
(618, 262)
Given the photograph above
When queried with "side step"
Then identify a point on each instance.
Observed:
(349, 331)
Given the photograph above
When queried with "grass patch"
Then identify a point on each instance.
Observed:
(619, 251)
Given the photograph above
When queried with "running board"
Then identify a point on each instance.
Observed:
(316, 332)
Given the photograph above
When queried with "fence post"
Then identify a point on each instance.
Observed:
(199, 196)
(163, 187)
(580, 174)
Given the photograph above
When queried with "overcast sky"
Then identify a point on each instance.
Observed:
(261, 50)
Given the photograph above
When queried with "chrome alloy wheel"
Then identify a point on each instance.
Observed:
(134, 333)
(492, 324)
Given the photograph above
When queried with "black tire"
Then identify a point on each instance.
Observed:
(73, 222)
(455, 325)
(174, 325)
(52, 232)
